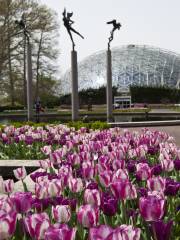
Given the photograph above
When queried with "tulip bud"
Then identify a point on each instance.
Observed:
(88, 216)
(20, 173)
(8, 186)
(61, 213)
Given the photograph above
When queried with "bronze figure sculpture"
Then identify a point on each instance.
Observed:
(68, 25)
(116, 26)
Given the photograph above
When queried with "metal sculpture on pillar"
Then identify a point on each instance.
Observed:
(22, 25)
(74, 68)
(116, 26)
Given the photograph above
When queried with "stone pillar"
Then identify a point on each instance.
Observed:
(74, 80)
(109, 86)
(29, 83)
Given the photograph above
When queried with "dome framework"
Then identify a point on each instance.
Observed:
(131, 65)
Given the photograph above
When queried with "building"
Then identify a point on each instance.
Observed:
(131, 65)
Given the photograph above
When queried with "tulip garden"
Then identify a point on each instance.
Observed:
(109, 184)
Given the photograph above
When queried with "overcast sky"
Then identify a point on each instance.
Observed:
(152, 22)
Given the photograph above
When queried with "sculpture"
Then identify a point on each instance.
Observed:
(116, 26)
(68, 25)
(22, 25)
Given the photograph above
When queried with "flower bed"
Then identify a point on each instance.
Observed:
(102, 184)
(20, 141)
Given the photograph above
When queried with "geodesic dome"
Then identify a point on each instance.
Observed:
(131, 65)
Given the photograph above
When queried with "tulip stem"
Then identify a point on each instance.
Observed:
(124, 212)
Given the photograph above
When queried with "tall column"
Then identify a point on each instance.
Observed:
(74, 80)
(109, 86)
(29, 83)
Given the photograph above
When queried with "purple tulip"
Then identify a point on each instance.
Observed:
(143, 192)
(151, 208)
(172, 187)
(109, 205)
(99, 233)
(92, 185)
(177, 164)
(123, 189)
(71, 202)
(7, 225)
(156, 170)
(37, 224)
(21, 201)
(60, 232)
(20, 173)
(88, 216)
(161, 230)
(36, 175)
(61, 213)
(131, 166)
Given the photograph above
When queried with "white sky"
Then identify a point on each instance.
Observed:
(152, 22)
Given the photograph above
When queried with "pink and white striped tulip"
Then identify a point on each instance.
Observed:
(100, 233)
(8, 186)
(60, 232)
(156, 184)
(143, 171)
(46, 149)
(54, 188)
(7, 225)
(6, 204)
(36, 225)
(123, 189)
(151, 208)
(125, 232)
(61, 213)
(87, 170)
(75, 185)
(92, 197)
(120, 174)
(88, 216)
(105, 178)
(45, 164)
(20, 173)
(41, 191)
